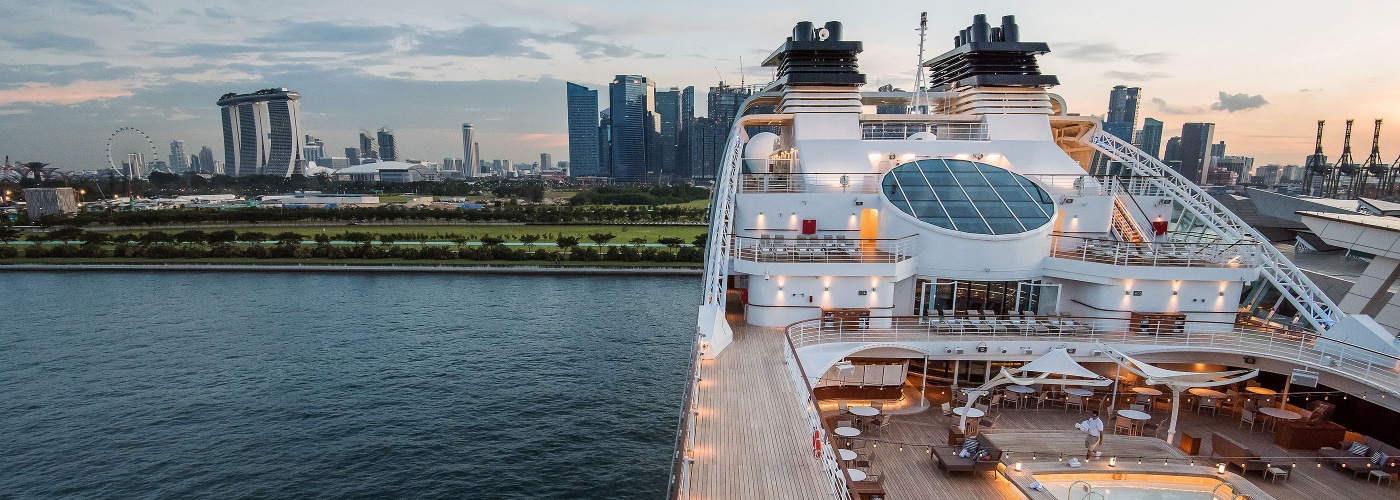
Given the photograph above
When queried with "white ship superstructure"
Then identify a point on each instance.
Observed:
(983, 228)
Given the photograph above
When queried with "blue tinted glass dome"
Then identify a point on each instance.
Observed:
(968, 196)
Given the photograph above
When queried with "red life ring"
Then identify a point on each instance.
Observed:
(817, 443)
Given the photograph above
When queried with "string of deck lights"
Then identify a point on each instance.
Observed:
(1112, 459)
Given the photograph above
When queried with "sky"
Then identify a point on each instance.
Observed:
(74, 71)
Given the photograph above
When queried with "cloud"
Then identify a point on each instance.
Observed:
(1106, 52)
(44, 40)
(1238, 102)
(15, 75)
(101, 8)
(1133, 76)
(322, 36)
(1152, 58)
(1175, 110)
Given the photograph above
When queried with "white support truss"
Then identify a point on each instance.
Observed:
(714, 330)
(1312, 304)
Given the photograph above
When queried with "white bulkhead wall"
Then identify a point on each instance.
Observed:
(783, 300)
(1210, 305)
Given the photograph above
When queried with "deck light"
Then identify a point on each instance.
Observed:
(1018, 466)
(1220, 468)
(1112, 462)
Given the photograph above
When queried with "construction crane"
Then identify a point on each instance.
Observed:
(1345, 166)
(1317, 166)
(1376, 167)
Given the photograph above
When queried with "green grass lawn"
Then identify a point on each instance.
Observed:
(623, 233)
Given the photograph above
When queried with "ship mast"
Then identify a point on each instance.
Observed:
(920, 105)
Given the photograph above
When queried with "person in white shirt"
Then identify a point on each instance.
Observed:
(1094, 429)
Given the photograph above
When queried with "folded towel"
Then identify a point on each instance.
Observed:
(1035, 485)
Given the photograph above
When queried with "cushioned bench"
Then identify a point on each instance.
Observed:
(1342, 457)
(1231, 452)
(950, 462)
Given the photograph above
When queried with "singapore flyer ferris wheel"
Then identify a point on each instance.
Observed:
(129, 151)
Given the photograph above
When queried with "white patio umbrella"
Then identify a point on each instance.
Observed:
(1177, 381)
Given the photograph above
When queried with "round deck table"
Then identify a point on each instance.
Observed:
(863, 411)
(856, 474)
(1263, 391)
(1209, 393)
(1134, 415)
(846, 454)
(847, 432)
(1073, 391)
(971, 412)
(1147, 391)
(1021, 389)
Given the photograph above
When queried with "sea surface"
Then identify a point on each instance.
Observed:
(305, 385)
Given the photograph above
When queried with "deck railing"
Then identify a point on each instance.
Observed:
(821, 183)
(944, 131)
(833, 470)
(825, 249)
(679, 488)
(1157, 254)
(1301, 347)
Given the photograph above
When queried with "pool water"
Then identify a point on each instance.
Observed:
(1130, 490)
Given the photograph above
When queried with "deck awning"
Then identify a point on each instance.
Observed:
(1057, 362)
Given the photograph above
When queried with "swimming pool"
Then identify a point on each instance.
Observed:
(1131, 486)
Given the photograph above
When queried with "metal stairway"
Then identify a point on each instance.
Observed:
(1312, 305)
(1125, 225)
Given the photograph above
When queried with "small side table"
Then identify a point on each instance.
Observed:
(1379, 475)
(1273, 473)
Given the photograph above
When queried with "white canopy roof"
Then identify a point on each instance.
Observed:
(1058, 362)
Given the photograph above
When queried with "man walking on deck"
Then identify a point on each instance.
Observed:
(1093, 427)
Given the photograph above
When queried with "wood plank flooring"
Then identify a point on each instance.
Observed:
(750, 437)
(912, 474)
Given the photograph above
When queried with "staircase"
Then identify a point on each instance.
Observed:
(1125, 225)
(1300, 291)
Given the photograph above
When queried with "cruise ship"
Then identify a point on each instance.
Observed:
(926, 294)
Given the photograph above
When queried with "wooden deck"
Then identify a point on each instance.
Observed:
(750, 437)
(910, 473)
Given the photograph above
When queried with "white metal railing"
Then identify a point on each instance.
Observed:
(1312, 304)
(685, 431)
(1302, 347)
(1159, 253)
(833, 470)
(824, 183)
(825, 249)
(944, 131)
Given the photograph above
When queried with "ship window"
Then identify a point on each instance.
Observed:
(968, 196)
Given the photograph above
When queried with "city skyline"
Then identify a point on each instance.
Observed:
(428, 67)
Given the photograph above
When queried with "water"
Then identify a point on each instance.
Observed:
(1132, 490)
(263, 385)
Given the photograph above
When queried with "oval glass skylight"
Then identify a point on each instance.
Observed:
(968, 196)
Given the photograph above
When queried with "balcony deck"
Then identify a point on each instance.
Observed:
(911, 473)
(750, 439)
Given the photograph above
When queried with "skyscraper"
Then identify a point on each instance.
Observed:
(387, 149)
(584, 157)
(179, 161)
(352, 156)
(261, 132)
(546, 161)
(471, 162)
(1151, 137)
(668, 109)
(369, 148)
(1172, 151)
(709, 135)
(206, 161)
(1196, 139)
(1217, 150)
(635, 128)
(315, 149)
(1122, 112)
(605, 143)
(683, 138)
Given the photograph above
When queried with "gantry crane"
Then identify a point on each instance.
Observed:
(1317, 167)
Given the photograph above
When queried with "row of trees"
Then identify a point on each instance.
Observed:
(195, 236)
(567, 214)
(284, 250)
(651, 195)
